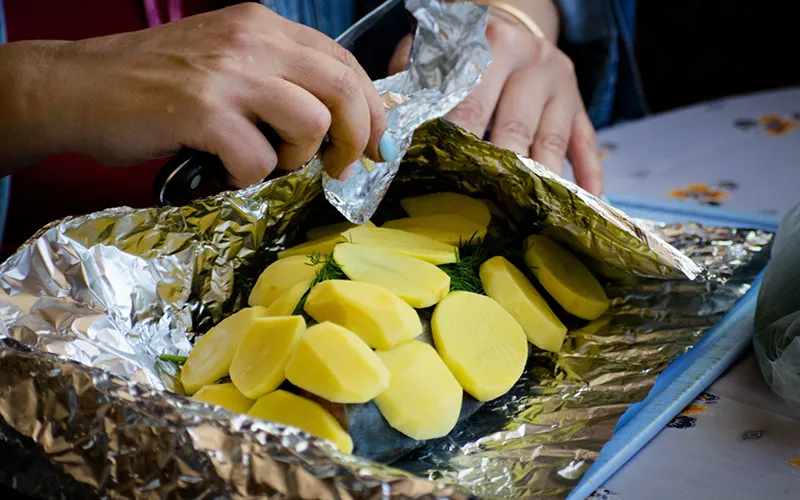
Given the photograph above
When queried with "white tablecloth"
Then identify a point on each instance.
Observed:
(738, 440)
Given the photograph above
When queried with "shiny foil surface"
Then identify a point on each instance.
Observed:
(87, 306)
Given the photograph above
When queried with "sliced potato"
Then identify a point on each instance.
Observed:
(280, 276)
(447, 228)
(423, 400)
(225, 395)
(333, 229)
(289, 409)
(482, 344)
(511, 289)
(404, 242)
(259, 363)
(372, 312)
(287, 302)
(448, 203)
(334, 363)
(420, 284)
(323, 246)
(565, 277)
(212, 354)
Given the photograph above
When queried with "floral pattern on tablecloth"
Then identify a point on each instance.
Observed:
(688, 417)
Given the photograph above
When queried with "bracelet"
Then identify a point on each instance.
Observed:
(516, 13)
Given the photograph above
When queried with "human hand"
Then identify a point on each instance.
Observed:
(204, 82)
(529, 100)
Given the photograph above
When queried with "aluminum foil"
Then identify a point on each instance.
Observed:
(449, 54)
(89, 304)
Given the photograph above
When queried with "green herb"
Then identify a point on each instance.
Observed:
(330, 270)
(173, 358)
(464, 273)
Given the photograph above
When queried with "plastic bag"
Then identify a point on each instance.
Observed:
(777, 318)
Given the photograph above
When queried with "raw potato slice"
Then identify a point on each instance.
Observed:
(404, 242)
(511, 289)
(287, 302)
(423, 400)
(447, 228)
(333, 363)
(333, 229)
(565, 277)
(289, 409)
(225, 395)
(448, 203)
(212, 354)
(372, 312)
(280, 276)
(322, 246)
(259, 364)
(419, 283)
(482, 344)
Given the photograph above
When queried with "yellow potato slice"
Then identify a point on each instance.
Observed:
(423, 400)
(323, 246)
(372, 312)
(225, 395)
(448, 203)
(259, 363)
(288, 301)
(333, 229)
(333, 363)
(565, 277)
(447, 228)
(404, 242)
(280, 276)
(420, 284)
(289, 409)
(212, 354)
(482, 344)
(511, 289)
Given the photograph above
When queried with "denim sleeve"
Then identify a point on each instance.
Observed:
(598, 36)
(331, 17)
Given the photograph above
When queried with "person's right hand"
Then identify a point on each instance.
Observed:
(204, 82)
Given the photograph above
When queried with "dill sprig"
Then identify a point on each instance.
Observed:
(330, 270)
(464, 273)
(173, 358)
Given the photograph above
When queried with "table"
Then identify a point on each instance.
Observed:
(737, 440)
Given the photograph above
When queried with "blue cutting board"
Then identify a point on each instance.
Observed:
(688, 375)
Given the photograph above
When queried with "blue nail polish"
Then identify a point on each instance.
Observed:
(605, 199)
(386, 147)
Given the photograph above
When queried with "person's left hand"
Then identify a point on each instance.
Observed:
(529, 99)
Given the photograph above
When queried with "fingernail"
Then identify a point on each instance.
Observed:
(346, 173)
(605, 199)
(386, 147)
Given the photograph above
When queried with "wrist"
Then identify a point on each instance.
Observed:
(28, 131)
(539, 17)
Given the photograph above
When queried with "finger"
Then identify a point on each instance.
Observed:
(377, 112)
(300, 119)
(518, 112)
(475, 111)
(247, 155)
(552, 136)
(339, 88)
(402, 52)
(582, 155)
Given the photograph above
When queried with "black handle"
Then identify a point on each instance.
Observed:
(178, 180)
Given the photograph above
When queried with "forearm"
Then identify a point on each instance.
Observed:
(26, 132)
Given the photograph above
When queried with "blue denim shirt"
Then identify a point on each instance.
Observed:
(596, 34)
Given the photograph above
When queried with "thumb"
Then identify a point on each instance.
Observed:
(399, 59)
